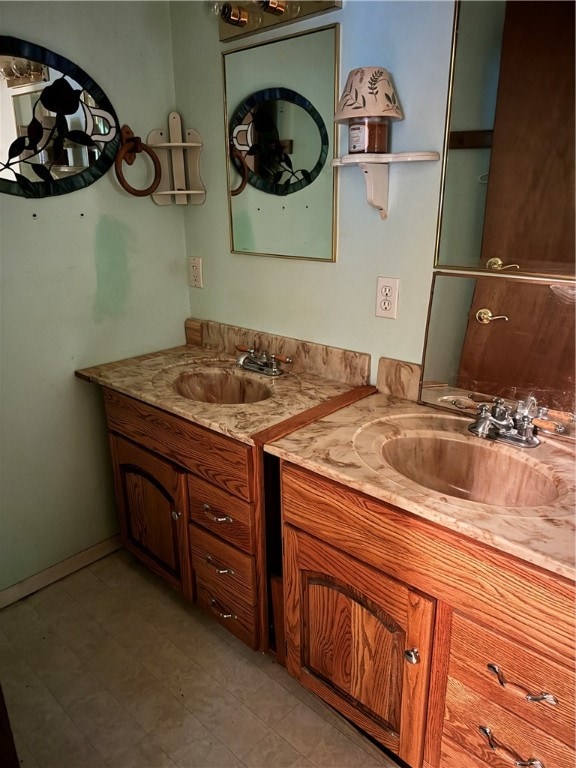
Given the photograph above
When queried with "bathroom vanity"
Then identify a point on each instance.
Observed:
(440, 620)
(197, 500)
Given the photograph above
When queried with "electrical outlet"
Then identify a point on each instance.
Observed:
(195, 272)
(387, 297)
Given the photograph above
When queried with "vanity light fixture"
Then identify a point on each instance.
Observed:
(368, 104)
(17, 72)
(245, 17)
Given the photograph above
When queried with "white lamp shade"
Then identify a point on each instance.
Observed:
(368, 93)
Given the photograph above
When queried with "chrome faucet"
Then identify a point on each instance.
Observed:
(260, 362)
(507, 425)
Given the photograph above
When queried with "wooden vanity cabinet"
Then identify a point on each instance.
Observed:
(369, 588)
(186, 502)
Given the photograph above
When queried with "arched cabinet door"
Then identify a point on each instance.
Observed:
(153, 511)
(360, 640)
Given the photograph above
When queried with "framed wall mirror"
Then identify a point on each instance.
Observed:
(58, 130)
(279, 111)
(508, 193)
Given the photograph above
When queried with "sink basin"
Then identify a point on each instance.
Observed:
(225, 387)
(466, 470)
(436, 453)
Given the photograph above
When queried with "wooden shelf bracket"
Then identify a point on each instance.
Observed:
(375, 169)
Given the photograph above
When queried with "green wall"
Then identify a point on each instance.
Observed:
(99, 275)
(93, 276)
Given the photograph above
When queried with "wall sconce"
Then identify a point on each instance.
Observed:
(18, 72)
(237, 19)
(367, 104)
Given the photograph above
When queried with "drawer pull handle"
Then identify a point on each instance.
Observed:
(412, 656)
(549, 698)
(222, 612)
(210, 561)
(176, 515)
(493, 743)
(215, 518)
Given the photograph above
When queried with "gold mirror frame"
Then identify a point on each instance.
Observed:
(300, 225)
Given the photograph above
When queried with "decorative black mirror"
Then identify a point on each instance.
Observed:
(65, 132)
(278, 141)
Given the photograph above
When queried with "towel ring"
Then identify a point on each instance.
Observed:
(238, 160)
(131, 146)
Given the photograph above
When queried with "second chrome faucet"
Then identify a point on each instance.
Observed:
(507, 425)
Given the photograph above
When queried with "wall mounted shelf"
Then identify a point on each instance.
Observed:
(180, 163)
(375, 169)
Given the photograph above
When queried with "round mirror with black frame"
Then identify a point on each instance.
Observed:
(66, 132)
(278, 141)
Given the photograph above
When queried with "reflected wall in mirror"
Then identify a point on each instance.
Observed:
(58, 131)
(508, 199)
(283, 211)
(527, 348)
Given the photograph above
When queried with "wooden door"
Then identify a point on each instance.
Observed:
(529, 218)
(360, 640)
(151, 497)
(530, 353)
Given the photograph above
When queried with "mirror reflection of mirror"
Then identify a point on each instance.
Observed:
(527, 348)
(288, 211)
(59, 132)
(281, 138)
(509, 172)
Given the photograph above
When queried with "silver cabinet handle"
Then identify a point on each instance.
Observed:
(412, 656)
(497, 265)
(516, 760)
(176, 515)
(219, 571)
(215, 518)
(549, 698)
(485, 316)
(222, 612)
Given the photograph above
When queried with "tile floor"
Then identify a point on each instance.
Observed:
(109, 667)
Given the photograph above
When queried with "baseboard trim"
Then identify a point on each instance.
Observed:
(59, 571)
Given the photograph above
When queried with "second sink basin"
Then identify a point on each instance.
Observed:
(225, 387)
(436, 453)
(467, 470)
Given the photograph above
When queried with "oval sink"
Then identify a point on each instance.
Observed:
(224, 387)
(473, 471)
(435, 454)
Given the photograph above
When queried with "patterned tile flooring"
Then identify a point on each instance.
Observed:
(110, 668)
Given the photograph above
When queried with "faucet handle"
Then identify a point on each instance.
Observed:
(281, 358)
(244, 348)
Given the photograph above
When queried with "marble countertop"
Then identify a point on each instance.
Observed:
(347, 446)
(150, 378)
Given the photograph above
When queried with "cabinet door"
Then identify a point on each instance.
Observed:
(360, 640)
(151, 496)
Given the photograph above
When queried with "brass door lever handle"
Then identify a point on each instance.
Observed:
(485, 316)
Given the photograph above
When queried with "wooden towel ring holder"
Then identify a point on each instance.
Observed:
(238, 160)
(130, 146)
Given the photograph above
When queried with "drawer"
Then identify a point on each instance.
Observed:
(513, 740)
(227, 516)
(519, 672)
(238, 617)
(219, 459)
(231, 572)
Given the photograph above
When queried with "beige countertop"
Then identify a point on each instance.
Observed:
(150, 378)
(539, 527)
